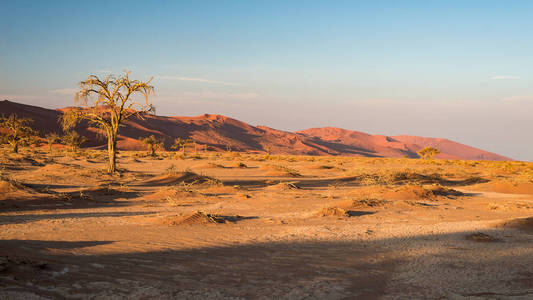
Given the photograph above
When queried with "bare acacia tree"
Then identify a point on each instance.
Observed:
(428, 152)
(17, 131)
(107, 103)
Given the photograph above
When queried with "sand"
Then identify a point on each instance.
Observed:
(183, 229)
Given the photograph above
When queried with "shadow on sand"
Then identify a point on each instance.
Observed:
(287, 270)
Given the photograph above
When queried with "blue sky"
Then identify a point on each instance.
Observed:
(455, 69)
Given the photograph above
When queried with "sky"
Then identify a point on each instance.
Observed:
(461, 70)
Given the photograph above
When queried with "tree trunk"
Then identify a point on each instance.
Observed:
(112, 152)
(16, 147)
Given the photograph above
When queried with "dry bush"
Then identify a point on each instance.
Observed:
(332, 211)
(495, 206)
(481, 238)
(368, 202)
(396, 177)
(200, 217)
(10, 189)
(195, 156)
(68, 172)
(6, 186)
(220, 189)
(212, 165)
(284, 186)
(92, 194)
(180, 155)
(325, 167)
(175, 177)
(411, 192)
(231, 156)
(375, 196)
(240, 165)
(175, 195)
(279, 170)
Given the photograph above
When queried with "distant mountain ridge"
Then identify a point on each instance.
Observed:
(220, 133)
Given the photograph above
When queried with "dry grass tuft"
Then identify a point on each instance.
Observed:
(279, 170)
(200, 217)
(412, 192)
(284, 186)
(481, 238)
(10, 188)
(6, 187)
(211, 165)
(187, 176)
(332, 211)
(241, 165)
(174, 195)
(368, 202)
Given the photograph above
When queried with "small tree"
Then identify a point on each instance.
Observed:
(74, 140)
(428, 152)
(177, 144)
(17, 131)
(107, 103)
(51, 138)
(153, 144)
(268, 150)
(181, 144)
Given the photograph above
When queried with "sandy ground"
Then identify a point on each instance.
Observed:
(211, 229)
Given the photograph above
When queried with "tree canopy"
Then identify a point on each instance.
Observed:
(107, 103)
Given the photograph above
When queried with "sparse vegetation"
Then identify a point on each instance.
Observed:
(368, 199)
(73, 140)
(181, 144)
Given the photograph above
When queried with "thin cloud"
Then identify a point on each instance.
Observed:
(63, 91)
(203, 96)
(179, 78)
(518, 99)
(505, 77)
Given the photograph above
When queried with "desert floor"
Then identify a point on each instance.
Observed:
(243, 226)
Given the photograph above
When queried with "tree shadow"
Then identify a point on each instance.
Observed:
(83, 198)
(305, 270)
(311, 269)
(236, 218)
(352, 181)
(358, 213)
(41, 245)
(26, 218)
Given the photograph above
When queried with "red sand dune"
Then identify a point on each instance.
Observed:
(219, 133)
(450, 149)
(398, 146)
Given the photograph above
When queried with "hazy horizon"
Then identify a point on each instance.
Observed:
(452, 70)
